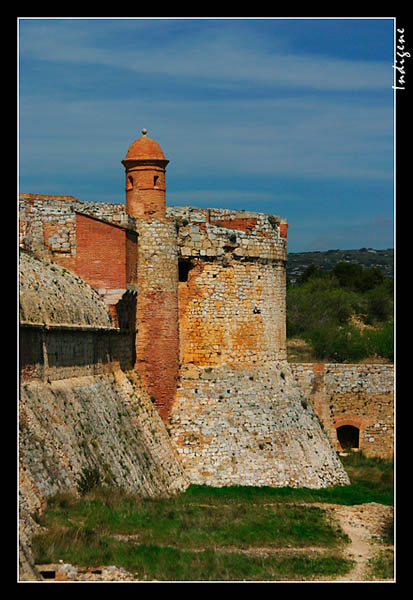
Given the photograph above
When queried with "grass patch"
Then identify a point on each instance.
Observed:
(165, 563)
(373, 475)
(378, 488)
(381, 565)
(198, 519)
(186, 539)
(203, 533)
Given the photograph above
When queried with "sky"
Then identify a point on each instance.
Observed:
(292, 117)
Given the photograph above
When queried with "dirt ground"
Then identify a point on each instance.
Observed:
(365, 524)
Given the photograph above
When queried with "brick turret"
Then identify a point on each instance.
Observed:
(145, 165)
(157, 338)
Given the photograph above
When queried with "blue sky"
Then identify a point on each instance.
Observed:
(292, 117)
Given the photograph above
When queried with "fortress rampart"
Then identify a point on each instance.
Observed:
(84, 413)
(153, 350)
(355, 404)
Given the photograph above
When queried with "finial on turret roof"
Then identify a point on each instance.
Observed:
(144, 131)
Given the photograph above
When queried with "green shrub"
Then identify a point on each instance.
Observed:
(380, 341)
(317, 303)
(357, 278)
(321, 303)
(312, 272)
(348, 343)
(88, 480)
(379, 302)
(338, 344)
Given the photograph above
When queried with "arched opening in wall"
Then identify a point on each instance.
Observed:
(348, 437)
(184, 266)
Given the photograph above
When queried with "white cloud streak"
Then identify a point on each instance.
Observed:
(217, 55)
(285, 136)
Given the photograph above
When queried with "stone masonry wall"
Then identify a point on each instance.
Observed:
(361, 396)
(250, 426)
(75, 363)
(100, 424)
(232, 313)
(103, 422)
(79, 413)
(239, 417)
(52, 353)
(92, 239)
(48, 223)
(211, 294)
(52, 295)
(221, 232)
(232, 286)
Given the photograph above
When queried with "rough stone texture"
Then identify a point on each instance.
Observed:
(232, 287)
(106, 422)
(51, 295)
(232, 313)
(78, 410)
(92, 239)
(219, 275)
(48, 223)
(60, 404)
(240, 426)
(239, 417)
(358, 395)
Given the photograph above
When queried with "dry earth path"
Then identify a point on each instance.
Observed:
(366, 525)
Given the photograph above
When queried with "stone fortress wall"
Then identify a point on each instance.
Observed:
(83, 412)
(355, 404)
(228, 271)
(153, 349)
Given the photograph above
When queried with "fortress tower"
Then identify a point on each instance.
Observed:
(200, 295)
(157, 340)
(145, 165)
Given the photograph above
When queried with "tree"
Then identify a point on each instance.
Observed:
(311, 272)
(348, 274)
(317, 302)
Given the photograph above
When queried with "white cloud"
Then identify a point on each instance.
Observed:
(216, 54)
(275, 137)
(285, 115)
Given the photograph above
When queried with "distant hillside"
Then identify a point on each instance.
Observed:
(367, 257)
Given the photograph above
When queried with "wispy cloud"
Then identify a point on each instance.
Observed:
(240, 109)
(216, 54)
(291, 136)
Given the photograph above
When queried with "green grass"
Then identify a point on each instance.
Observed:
(165, 563)
(204, 533)
(182, 539)
(216, 522)
(381, 565)
(356, 493)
